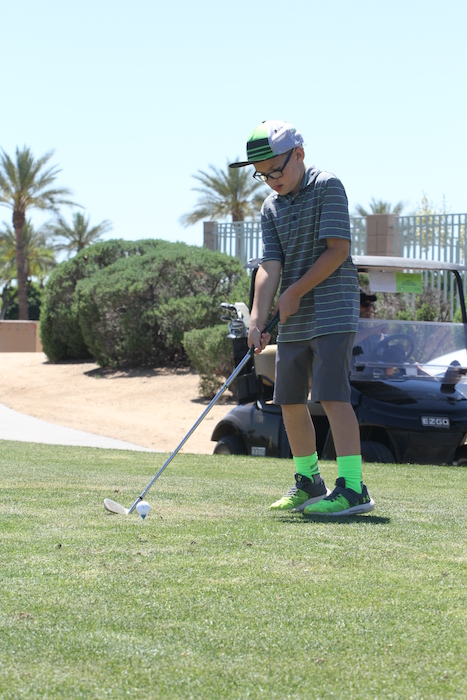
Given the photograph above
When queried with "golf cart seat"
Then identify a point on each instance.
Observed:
(265, 365)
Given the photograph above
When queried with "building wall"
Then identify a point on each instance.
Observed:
(20, 336)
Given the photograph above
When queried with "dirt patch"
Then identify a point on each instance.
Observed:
(150, 407)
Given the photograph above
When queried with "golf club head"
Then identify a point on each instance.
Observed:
(114, 507)
(231, 308)
(230, 312)
(237, 329)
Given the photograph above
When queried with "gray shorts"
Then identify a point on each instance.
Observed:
(325, 360)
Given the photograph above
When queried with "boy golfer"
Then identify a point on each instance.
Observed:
(306, 249)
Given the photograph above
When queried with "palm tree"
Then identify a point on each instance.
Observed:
(25, 184)
(79, 235)
(39, 256)
(7, 273)
(232, 192)
(39, 253)
(380, 207)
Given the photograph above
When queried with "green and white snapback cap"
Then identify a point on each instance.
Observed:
(269, 139)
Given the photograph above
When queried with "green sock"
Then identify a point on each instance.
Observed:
(307, 466)
(350, 467)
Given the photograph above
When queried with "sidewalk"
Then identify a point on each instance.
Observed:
(22, 428)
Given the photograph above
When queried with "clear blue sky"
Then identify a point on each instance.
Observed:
(135, 96)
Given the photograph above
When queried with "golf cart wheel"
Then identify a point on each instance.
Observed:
(461, 456)
(376, 452)
(230, 445)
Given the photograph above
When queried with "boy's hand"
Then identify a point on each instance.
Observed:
(258, 338)
(287, 304)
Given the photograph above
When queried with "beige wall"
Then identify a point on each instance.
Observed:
(20, 336)
(381, 235)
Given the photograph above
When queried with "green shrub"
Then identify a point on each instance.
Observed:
(60, 333)
(428, 306)
(60, 330)
(241, 291)
(136, 311)
(34, 302)
(210, 353)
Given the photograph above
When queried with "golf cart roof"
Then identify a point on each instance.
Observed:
(383, 262)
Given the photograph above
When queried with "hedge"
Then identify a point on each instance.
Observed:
(210, 353)
(60, 329)
(137, 310)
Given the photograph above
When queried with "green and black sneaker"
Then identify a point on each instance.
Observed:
(342, 501)
(303, 493)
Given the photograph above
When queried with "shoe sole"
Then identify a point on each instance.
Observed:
(301, 507)
(354, 510)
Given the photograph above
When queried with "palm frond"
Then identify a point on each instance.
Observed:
(79, 234)
(26, 184)
(39, 253)
(380, 207)
(232, 192)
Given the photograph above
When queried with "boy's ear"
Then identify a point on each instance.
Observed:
(300, 153)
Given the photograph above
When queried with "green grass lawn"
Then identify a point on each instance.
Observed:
(214, 596)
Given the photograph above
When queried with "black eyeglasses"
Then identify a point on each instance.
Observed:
(276, 174)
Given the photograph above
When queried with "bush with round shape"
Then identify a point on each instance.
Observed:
(210, 353)
(60, 330)
(136, 311)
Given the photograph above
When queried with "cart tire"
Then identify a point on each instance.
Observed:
(461, 456)
(230, 445)
(376, 452)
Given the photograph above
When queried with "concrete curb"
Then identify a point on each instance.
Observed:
(22, 428)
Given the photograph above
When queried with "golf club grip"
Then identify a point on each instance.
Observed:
(272, 323)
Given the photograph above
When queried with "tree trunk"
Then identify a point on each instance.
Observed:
(19, 219)
(4, 302)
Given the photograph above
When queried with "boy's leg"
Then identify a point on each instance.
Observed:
(300, 429)
(344, 427)
(331, 386)
(346, 436)
(309, 486)
(350, 495)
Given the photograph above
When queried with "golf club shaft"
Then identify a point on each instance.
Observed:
(272, 323)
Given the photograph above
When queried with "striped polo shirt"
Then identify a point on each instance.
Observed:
(294, 231)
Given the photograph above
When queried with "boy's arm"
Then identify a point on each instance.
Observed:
(336, 253)
(266, 285)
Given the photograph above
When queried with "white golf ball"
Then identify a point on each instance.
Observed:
(143, 508)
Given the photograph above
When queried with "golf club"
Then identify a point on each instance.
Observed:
(118, 509)
(236, 321)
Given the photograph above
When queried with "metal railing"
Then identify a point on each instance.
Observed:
(242, 239)
(439, 237)
(358, 235)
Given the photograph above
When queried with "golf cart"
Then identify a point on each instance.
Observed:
(408, 377)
